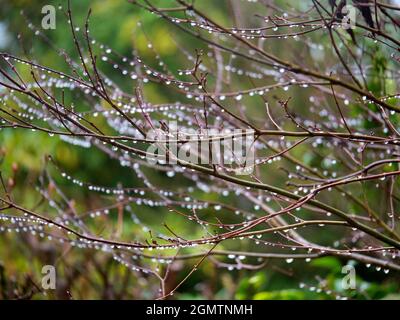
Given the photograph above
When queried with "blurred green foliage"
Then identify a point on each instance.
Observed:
(115, 22)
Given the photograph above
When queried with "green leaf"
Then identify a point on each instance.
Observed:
(330, 263)
(289, 294)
